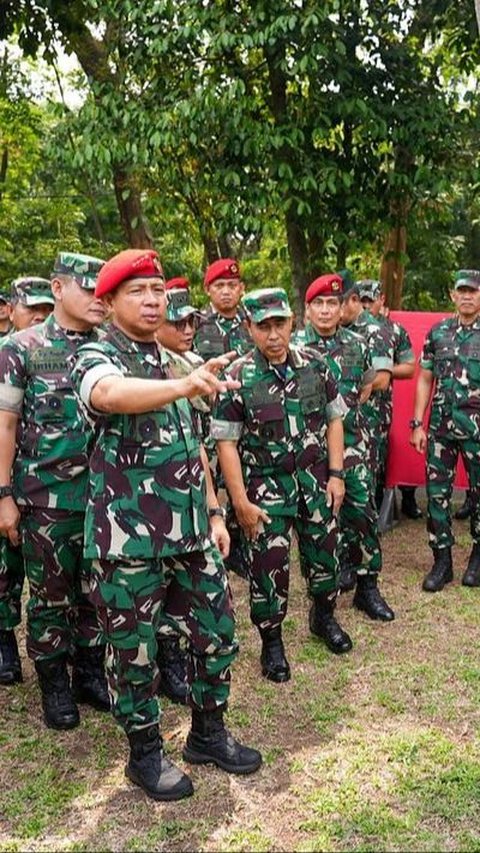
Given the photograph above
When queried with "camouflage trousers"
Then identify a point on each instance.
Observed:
(269, 561)
(138, 599)
(442, 455)
(12, 575)
(59, 613)
(359, 546)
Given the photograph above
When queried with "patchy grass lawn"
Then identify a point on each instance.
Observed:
(375, 750)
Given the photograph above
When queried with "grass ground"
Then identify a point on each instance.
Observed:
(378, 750)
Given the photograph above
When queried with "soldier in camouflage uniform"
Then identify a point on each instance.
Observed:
(280, 446)
(360, 551)
(380, 344)
(155, 558)
(175, 334)
(50, 466)
(450, 376)
(223, 328)
(31, 301)
(403, 368)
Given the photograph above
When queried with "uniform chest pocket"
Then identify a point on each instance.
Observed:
(269, 421)
(472, 355)
(143, 429)
(312, 392)
(351, 357)
(442, 365)
(210, 344)
(52, 408)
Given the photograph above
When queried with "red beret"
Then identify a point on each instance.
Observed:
(326, 285)
(131, 263)
(223, 268)
(177, 282)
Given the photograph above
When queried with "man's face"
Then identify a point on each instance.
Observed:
(22, 316)
(79, 306)
(467, 301)
(324, 313)
(178, 336)
(4, 310)
(225, 294)
(138, 307)
(351, 308)
(272, 337)
(373, 305)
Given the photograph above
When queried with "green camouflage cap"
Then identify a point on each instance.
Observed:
(467, 278)
(368, 288)
(266, 302)
(178, 304)
(32, 291)
(4, 298)
(83, 268)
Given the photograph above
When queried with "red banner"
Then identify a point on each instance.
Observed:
(404, 465)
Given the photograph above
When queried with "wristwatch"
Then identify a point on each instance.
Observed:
(336, 472)
(415, 422)
(5, 491)
(217, 510)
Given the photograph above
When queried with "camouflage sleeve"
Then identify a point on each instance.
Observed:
(12, 378)
(427, 355)
(228, 417)
(403, 346)
(381, 346)
(90, 366)
(368, 370)
(336, 406)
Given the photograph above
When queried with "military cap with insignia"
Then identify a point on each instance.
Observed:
(266, 302)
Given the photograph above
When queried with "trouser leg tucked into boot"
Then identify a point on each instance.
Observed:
(367, 598)
(89, 683)
(151, 770)
(209, 742)
(274, 663)
(465, 510)
(172, 663)
(471, 576)
(441, 571)
(323, 624)
(59, 709)
(10, 666)
(347, 578)
(410, 507)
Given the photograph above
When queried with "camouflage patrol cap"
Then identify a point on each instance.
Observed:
(178, 304)
(83, 268)
(32, 291)
(4, 298)
(467, 278)
(368, 288)
(266, 302)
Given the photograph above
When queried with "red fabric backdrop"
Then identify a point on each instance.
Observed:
(404, 464)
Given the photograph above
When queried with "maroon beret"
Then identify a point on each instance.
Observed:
(224, 268)
(178, 282)
(326, 285)
(131, 263)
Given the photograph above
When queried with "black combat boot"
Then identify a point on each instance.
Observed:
(471, 576)
(441, 571)
(89, 683)
(410, 507)
(209, 742)
(347, 578)
(59, 709)
(465, 510)
(367, 598)
(149, 768)
(172, 663)
(275, 665)
(323, 624)
(10, 666)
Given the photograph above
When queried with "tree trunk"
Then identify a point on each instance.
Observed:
(130, 210)
(392, 272)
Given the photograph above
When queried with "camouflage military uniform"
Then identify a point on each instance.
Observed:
(147, 531)
(380, 342)
(49, 481)
(280, 423)
(351, 363)
(452, 352)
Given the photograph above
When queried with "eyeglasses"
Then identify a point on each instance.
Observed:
(181, 325)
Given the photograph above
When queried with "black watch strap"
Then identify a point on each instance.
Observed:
(6, 491)
(415, 422)
(336, 472)
(217, 510)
